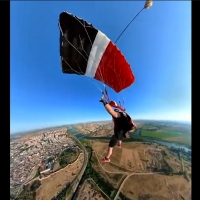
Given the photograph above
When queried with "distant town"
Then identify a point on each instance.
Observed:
(28, 153)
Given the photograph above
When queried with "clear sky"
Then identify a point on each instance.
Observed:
(157, 45)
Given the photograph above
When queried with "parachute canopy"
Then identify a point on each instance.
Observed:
(85, 50)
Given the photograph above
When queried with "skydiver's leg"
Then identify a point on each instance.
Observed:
(119, 143)
(109, 152)
(112, 143)
(120, 136)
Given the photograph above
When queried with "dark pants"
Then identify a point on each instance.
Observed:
(115, 138)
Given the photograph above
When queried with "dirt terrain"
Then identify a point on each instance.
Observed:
(157, 187)
(137, 157)
(54, 183)
(143, 162)
(96, 129)
(90, 191)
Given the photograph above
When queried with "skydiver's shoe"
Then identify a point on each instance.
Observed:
(104, 160)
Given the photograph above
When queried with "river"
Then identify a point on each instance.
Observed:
(136, 134)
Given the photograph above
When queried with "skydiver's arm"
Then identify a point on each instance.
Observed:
(111, 111)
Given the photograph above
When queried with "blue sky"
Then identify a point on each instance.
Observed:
(157, 45)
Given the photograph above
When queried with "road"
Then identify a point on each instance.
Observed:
(78, 178)
(147, 173)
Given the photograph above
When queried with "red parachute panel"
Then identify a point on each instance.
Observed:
(114, 70)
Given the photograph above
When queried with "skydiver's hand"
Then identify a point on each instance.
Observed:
(128, 136)
(102, 100)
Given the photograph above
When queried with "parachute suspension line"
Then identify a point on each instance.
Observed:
(105, 93)
(71, 67)
(85, 30)
(118, 80)
(71, 43)
(75, 48)
(82, 46)
(120, 83)
(90, 43)
(128, 25)
(64, 59)
(95, 84)
(76, 62)
(124, 95)
(87, 78)
(85, 51)
(100, 73)
(122, 102)
(87, 34)
(103, 78)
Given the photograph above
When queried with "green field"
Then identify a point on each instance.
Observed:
(163, 134)
(166, 127)
(170, 136)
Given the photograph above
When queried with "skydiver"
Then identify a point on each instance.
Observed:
(119, 131)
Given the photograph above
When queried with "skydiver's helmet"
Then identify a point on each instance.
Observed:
(113, 104)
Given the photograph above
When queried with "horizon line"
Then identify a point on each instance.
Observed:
(57, 126)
